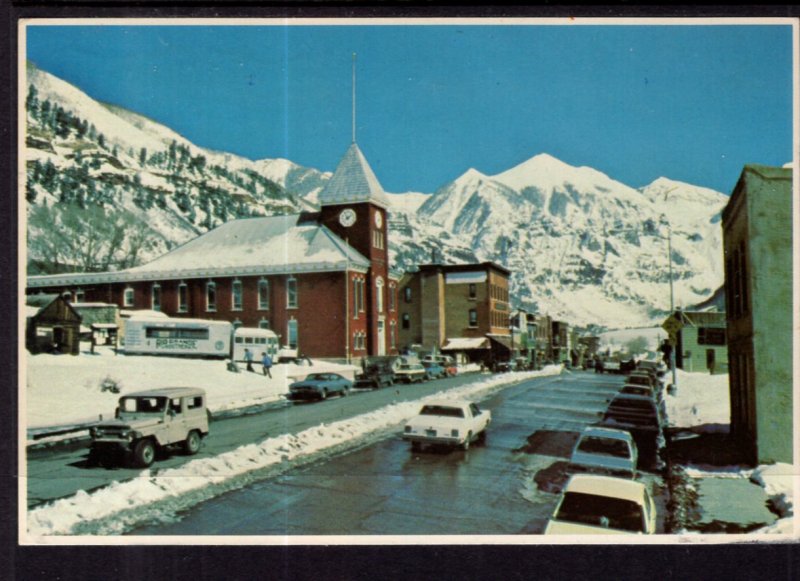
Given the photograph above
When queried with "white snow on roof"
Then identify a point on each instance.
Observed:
(258, 245)
(353, 181)
(252, 246)
(465, 343)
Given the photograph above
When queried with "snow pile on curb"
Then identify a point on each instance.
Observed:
(778, 482)
(119, 506)
(700, 399)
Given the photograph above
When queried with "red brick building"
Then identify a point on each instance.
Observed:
(320, 280)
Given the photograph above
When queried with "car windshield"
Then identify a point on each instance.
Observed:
(143, 405)
(633, 390)
(601, 511)
(316, 377)
(604, 446)
(440, 410)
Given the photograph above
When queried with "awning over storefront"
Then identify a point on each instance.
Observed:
(466, 343)
(502, 341)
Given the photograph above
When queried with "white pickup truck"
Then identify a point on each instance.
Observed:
(447, 423)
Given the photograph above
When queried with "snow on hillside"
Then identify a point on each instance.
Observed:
(581, 246)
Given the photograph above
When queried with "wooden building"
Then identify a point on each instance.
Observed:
(51, 325)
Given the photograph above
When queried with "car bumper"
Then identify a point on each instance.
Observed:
(433, 440)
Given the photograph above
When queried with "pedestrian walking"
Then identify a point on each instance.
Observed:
(248, 357)
(266, 362)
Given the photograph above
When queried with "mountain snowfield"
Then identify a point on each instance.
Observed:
(582, 246)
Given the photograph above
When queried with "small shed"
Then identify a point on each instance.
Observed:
(52, 325)
(100, 321)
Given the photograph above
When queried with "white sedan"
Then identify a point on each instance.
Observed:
(448, 423)
(592, 505)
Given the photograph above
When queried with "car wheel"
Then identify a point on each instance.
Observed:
(192, 444)
(467, 442)
(144, 453)
(416, 446)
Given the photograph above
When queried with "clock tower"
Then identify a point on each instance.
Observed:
(353, 206)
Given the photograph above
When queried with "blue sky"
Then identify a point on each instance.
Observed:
(691, 103)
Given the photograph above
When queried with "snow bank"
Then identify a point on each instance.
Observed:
(62, 390)
(701, 398)
(119, 506)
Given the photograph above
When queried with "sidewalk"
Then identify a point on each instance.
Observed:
(712, 492)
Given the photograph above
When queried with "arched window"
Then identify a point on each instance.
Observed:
(263, 294)
(236, 295)
(379, 293)
(127, 297)
(291, 293)
(155, 297)
(183, 297)
(211, 296)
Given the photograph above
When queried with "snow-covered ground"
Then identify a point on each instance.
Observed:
(62, 390)
(155, 493)
(705, 399)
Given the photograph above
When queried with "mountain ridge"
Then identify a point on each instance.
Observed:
(580, 244)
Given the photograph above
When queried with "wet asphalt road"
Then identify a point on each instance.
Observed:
(62, 470)
(508, 486)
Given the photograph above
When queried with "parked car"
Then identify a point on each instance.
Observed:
(433, 370)
(376, 372)
(657, 367)
(592, 504)
(319, 386)
(605, 451)
(410, 372)
(148, 421)
(448, 423)
(641, 416)
(641, 378)
(642, 390)
(445, 361)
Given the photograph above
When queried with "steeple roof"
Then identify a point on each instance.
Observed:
(352, 182)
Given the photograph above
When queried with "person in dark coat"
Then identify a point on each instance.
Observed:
(598, 366)
(266, 363)
(248, 357)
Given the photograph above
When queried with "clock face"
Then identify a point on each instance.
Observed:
(378, 219)
(347, 218)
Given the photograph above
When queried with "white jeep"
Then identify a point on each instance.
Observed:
(148, 421)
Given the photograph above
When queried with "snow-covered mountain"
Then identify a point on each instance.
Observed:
(581, 245)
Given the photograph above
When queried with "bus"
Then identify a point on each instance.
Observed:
(194, 337)
(257, 340)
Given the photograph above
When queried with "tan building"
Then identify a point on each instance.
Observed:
(757, 240)
(460, 308)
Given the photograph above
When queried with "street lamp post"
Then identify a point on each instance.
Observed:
(671, 306)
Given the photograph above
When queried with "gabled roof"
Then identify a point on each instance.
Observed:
(352, 182)
(252, 246)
